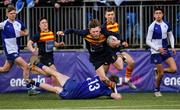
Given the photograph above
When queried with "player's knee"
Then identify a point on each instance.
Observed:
(26, 67)
(160, 72)
(120, 68)
(174, 69)
(131, 63)
(4, 70)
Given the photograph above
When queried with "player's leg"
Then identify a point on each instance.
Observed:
(160, 73)
(48, 60)
(48, 87)
(157, 59)
(54, 89)
(36, 70)
(61, 78)
(101, 73)
(130, 65)
(39, 67)
(106, 67)
(25, 67)
(6, 67)
(54, 80)
(172, 65)
(129, 69)
(119, 64)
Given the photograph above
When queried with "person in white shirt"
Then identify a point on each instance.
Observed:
(157, 38)
(13, 29)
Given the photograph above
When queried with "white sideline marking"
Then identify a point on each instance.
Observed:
(136, 106)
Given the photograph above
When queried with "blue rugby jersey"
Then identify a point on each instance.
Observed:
(157, 36)
(91, 88)
(10, 33)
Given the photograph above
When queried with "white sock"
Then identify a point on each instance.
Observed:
(126, 80)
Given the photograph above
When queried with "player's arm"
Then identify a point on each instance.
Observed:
(75, 31)
(171, 38)
(149, 39)
(24, 32)
(116, 96)
(113, 42)
(59, 44)
(1, 25)
(117, 35)
(30, 46)
(33, 49)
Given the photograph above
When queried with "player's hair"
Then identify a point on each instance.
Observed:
(10, 8)
(43, 18)
(109, 9)
(94, 23)
(158, 9)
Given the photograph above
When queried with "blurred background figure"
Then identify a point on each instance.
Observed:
(20, 4)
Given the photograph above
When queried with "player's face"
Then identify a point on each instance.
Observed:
(110, 16)
(11, 15)
(95, 32)
(43, 25)
(158, 15)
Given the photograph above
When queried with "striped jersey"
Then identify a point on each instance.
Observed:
(45, 41)
(113, 27)
(157, 37)
(10, 33)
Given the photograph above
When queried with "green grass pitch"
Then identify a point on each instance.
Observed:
(52, 101)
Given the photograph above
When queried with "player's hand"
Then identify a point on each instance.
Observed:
(109, 83)
(61, 44)
(60, 33)
(23, 33)
(114, 43)
(114, 78)
(34, 51)
(174, 51)
(125, 44)
(162, 51)
(36, 1)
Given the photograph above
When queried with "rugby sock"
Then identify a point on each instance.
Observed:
(33, 68)
(109, 83)
(31, 83)
(28, 86)
(156, 89)
(37, 84)
(128, 74)
(40, 65)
